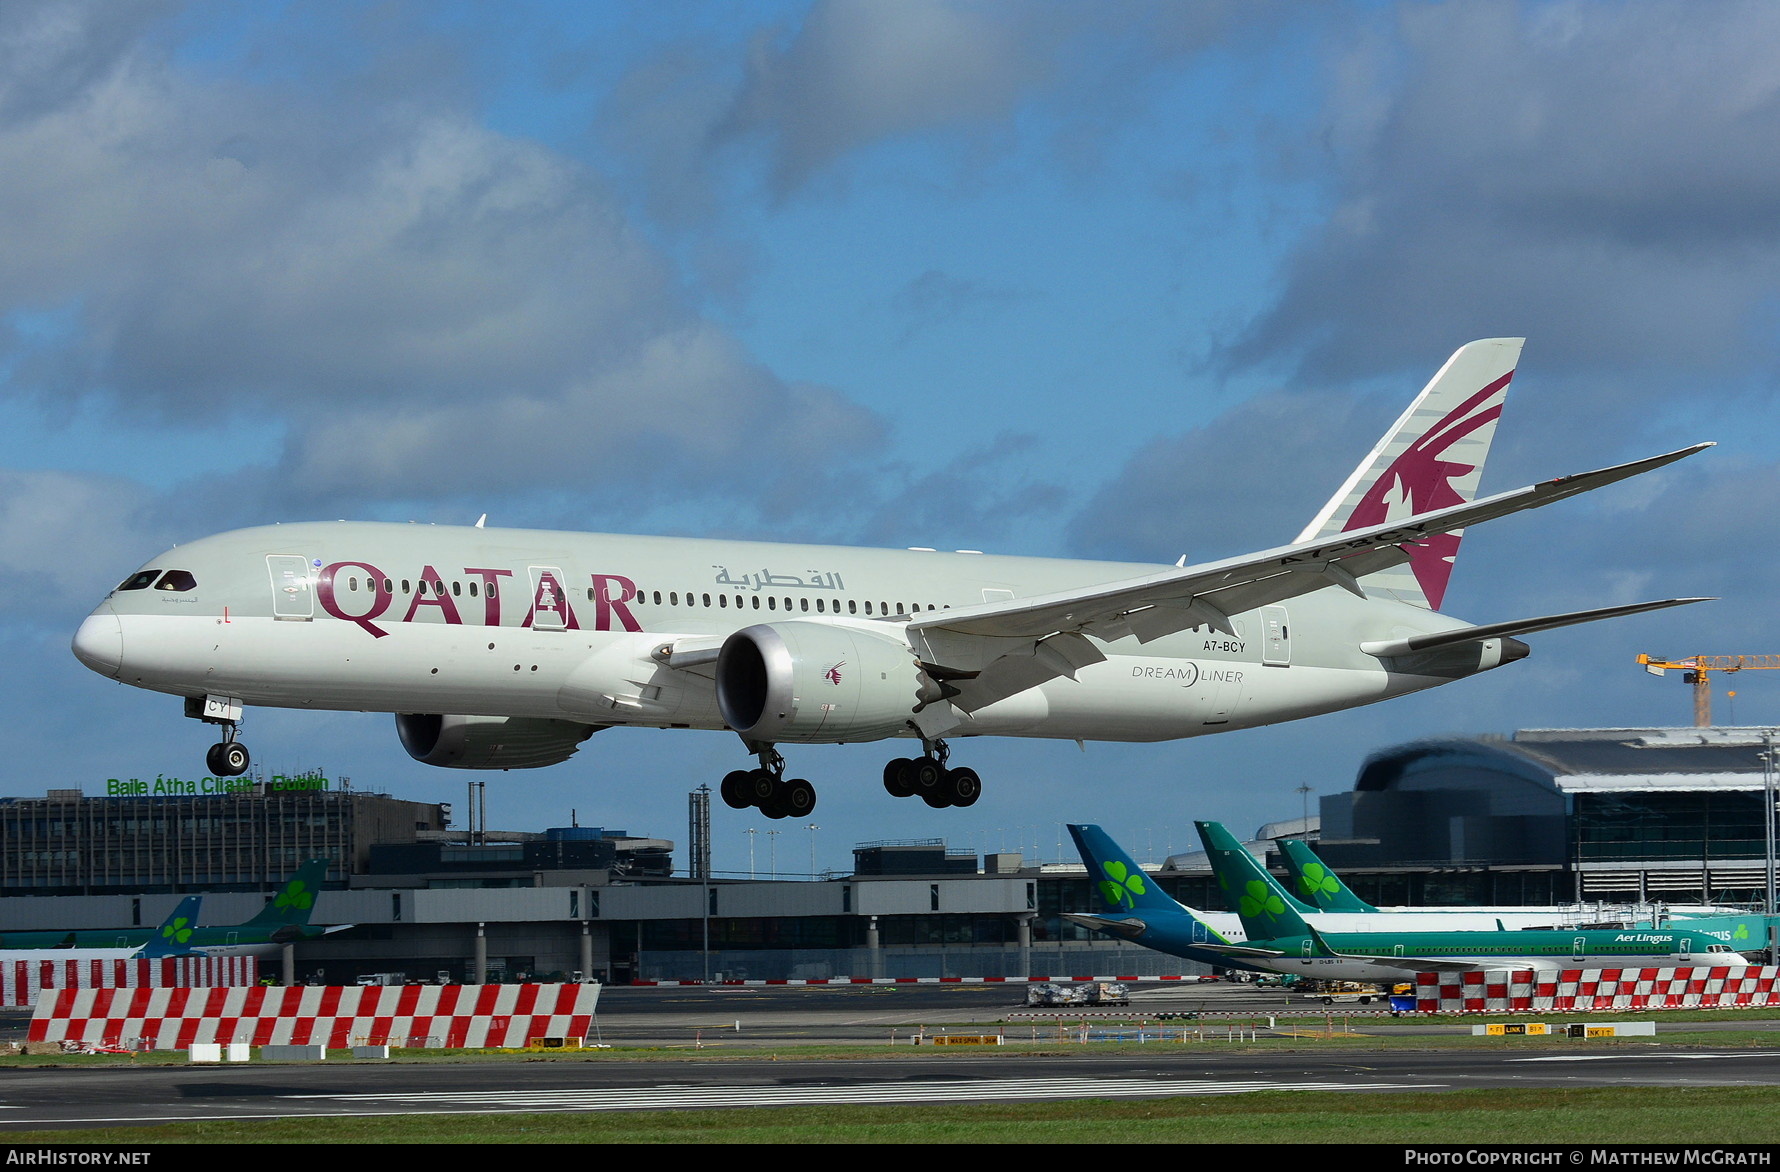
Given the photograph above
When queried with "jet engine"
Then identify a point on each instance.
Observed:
(490, 742)
(813, 682)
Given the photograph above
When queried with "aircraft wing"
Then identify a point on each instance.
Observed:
(1427, 964)
(1009, 646)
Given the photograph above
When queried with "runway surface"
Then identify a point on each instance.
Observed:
(883, 1072)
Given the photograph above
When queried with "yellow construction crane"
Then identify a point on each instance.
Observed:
(1699, 669)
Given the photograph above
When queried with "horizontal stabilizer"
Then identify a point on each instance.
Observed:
(1385, 648)
(1128, 927)
(1244, 951)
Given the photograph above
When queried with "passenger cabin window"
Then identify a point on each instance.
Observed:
(180, 580)
(141, 581)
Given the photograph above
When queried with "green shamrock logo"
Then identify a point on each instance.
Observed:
(179, 931)
(1120, 884)
(1258, 899)
(295, 895)
(1742, 932)
(1316, 880)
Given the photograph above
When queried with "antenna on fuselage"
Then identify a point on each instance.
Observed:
(481, 519)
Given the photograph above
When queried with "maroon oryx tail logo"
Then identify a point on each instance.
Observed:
(833, 674)
(1420, 480)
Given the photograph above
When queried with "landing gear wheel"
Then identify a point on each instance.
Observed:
(228, 759)
(899, 777)
(936, 797)
(928, 776)
(963, 787)
(762, 787)
(735, 790)
(797, 798)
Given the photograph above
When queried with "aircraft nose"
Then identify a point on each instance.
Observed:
(100, 642)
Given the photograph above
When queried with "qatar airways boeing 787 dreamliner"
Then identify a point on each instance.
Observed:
(507, 648)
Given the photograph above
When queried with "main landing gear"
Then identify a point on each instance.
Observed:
(767, 788)
(928, 776)
(228, 757)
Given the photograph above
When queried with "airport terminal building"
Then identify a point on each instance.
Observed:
(1543, 817)
(1553, 815)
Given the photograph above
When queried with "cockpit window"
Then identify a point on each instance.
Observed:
(139, 581)
(177, 580)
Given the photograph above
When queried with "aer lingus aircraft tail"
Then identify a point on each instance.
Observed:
(174, 936)
(291, 907)
(1316, 883)
(1119, 882)
(1134, 908)
(1267, 910)
(1432, 457)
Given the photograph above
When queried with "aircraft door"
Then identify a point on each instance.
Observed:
(1200, 934)
(1276, 639)
(1684, 948)
(292, 596)
(550, 603)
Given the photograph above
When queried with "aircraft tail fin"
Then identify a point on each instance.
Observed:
(1119, 883)
(175, 933)
(1317, 882)
(1267, 910)
(1432, 457)
(295, 900)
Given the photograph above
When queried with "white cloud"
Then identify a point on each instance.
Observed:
(1599, 179)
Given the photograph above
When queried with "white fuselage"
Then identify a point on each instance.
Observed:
(572, 627)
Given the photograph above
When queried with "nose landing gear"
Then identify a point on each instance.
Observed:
(229, 757)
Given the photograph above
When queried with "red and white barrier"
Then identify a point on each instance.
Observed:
(432, 1016)
(23, 977)
(1586, 990)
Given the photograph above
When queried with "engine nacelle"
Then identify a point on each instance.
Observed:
(818, 683)
(490, 742)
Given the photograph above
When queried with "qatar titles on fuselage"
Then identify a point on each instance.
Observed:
(505, 648)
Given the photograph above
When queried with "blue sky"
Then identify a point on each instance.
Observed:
(1121, 280)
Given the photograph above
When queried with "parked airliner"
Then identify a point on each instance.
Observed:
(506, 648)
(1273, 936)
